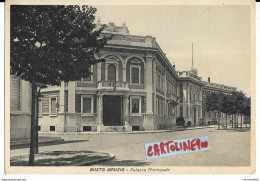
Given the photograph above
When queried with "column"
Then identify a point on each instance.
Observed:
(71, 118)
(165, 91)
(62, 127)
(127, 126)
(154, 85)
(149, 117)
(62, 97)
(124, 73)
(149, 83)
(99, 71)
(71, 96)
(100, 124)
(197, 116)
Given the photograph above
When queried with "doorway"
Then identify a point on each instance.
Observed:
(112, 110)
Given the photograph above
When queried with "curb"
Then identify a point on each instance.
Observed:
(110, 156)
(133, 132)
(43, 143)
(88, 163)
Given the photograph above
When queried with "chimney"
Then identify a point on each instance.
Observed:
(208, 79)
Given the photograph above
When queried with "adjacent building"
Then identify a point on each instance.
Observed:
(20, 109)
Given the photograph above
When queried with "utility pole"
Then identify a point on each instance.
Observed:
(192, 55)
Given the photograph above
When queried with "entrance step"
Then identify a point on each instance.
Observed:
(114, 128)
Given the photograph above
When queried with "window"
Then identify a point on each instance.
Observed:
(135, 128)
(111, 73)
(135, 74)
(159, 85)
(86, 128)
(163, 108)
(40, 106)
(90, 77)
(53, 105)
(15, 93)
(135, 103)
(52, 128)
(166, 110)
(86, 105)
(162, 83)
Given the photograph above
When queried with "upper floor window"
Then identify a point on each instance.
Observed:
(90, 77)
(111, 72)
(135, 74)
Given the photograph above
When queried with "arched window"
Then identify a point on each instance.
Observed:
(111, 72)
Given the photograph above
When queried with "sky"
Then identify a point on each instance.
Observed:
(220, 36)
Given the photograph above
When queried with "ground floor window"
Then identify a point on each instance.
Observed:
(135, 106)
(53, 105)
(86, 105)
(40, 106)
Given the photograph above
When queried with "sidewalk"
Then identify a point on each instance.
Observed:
(173, 129)
(62, 158)
(43, 140)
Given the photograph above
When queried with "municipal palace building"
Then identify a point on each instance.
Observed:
(136, 88)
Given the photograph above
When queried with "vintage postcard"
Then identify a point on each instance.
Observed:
(130, 87)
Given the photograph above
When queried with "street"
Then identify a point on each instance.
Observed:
(226, 147)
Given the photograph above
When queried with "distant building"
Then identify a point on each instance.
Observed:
(136, 88)
(20, 107)
(192, 93)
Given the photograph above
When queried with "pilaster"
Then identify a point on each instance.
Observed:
(149, 116)
(99, 71)
(71, 96)
(62, 97)
(100, 125)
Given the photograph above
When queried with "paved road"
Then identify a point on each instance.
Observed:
(227, 148)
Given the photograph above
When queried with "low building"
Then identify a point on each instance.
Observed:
(208, 88)
(190, 92)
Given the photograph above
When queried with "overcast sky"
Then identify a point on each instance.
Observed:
(220, 36)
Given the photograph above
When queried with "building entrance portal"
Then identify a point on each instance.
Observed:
(112, 111)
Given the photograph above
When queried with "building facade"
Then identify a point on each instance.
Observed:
(20, 109)
(136, 88)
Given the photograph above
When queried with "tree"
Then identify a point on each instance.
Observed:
(51, 44)
(247, 109)
(226, 105)
(213, 102)
(237, 104)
